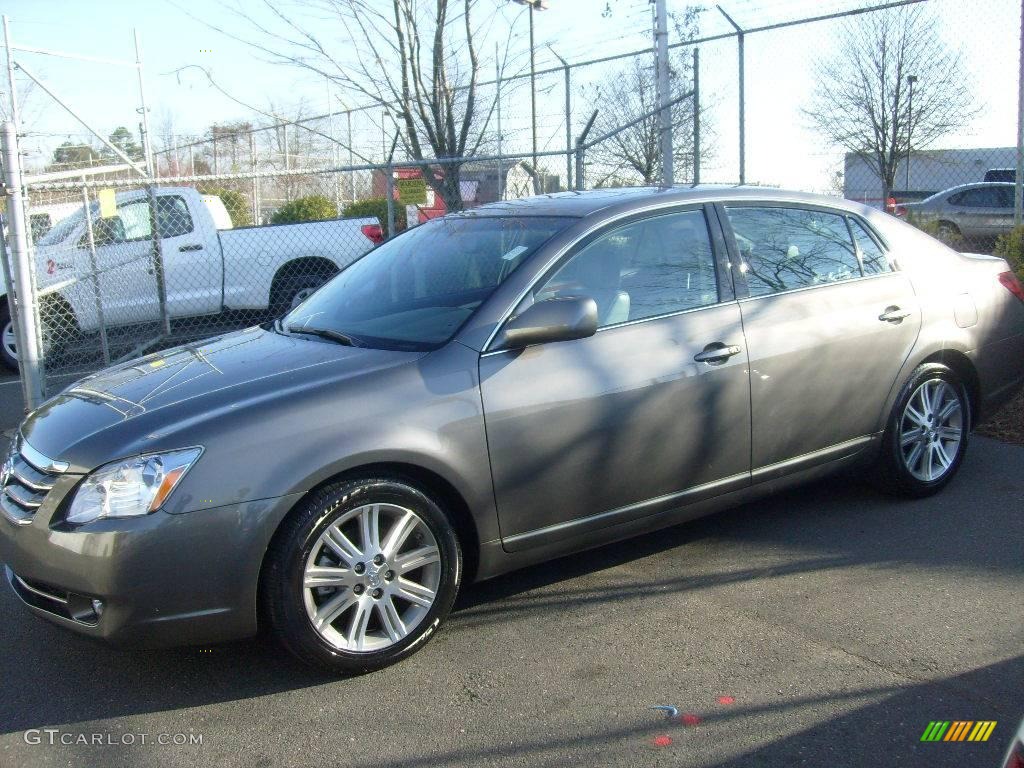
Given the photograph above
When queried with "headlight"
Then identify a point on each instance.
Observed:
(130, 487)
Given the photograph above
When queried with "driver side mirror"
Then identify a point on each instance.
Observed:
(559, 319)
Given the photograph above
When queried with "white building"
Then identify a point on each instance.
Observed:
(931, 171)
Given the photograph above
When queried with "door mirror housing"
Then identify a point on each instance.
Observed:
(558, 319)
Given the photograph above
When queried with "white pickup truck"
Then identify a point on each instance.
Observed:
(208, 266)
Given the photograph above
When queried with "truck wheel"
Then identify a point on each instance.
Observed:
(361, 575)
(8, 346)
(291, 290)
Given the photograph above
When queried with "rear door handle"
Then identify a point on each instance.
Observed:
(894, 315)
(717, 352)
(193, 247)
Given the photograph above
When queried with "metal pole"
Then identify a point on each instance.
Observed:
(742, 95)
(255, 205)
(911, 79)
(147, 146)
(12, 93)
(696, 115)
(581, 144)
(389, 191)
(191, 160)
(538, 186)
(158, 260)
(21, 260)
(12, 306)
(568, 117)
(94, 267)
(1018, 196)
(334, 147)
(351, 162)
(665, 114)
(497, 98)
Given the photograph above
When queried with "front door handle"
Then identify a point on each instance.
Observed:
(894, 314)
(193, 247)
(716, 352)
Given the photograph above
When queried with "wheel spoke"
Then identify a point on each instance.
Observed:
(916, 416)
(369, 529)
(399, 533)
(926, 398)
(911, 436)
(357, 624)
(950, 408)
(328, 576)
(915, 455)
(950, 433)
(415, 593)
(329, 612)
(929, 461)
(342, 546)
(390, 620)
(417, 558)
(944, 458)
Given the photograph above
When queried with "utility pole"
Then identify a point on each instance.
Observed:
(911, 79)
(664, 94)
(696, 115)
(147, 145)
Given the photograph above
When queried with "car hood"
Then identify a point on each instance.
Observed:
(129, 407)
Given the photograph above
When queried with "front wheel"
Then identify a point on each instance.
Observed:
(927, 434)
(361, 575)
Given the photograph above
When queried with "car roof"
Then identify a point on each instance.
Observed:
(976, 185)
(623, 199)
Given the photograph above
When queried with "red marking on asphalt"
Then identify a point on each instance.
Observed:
(690, 719)
(662, 741)
(726, 700)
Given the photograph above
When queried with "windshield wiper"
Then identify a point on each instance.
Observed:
(326, 333)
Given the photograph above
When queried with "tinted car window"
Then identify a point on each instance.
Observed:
(787, 248)
(872, 256)
(1005, 197)
(979, 197)
(416, 291)
(651, 267)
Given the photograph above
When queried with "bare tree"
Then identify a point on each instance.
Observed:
(862, 100)
(418, 60)
(631, 92)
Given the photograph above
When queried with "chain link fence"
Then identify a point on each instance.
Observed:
(241, 222)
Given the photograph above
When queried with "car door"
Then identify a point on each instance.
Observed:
(829, 322)
(626, 423)
(976, 211)
(124, 262)
(193, 266)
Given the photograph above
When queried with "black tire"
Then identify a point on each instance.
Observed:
(892, 470)
(9, 360)
(283, 595)
(288, 287)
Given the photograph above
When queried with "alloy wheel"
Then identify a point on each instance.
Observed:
(931, 430)
(9, 340)
(371, 577)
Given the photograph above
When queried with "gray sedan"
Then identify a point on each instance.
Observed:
(977, 213)
(492, 390)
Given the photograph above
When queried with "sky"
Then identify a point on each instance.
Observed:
(781, 148)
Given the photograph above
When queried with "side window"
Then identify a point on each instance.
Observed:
(647, 268)
(788, 248)
(135, 218)
(1005, 197)
(172, 216)
(979, 197)
(871, 255)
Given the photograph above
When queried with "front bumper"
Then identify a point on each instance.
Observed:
(163, 579)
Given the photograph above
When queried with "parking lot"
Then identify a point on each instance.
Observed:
(836, 622)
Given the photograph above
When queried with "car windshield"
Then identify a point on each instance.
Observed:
(415, 291)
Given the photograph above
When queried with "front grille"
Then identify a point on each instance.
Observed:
(26, 478)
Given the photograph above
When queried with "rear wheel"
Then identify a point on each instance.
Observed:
(361, 575)
(290, 290)
(8, 342)
(927, 434)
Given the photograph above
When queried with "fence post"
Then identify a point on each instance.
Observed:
(255, 204)
(696, 115)
(29, 360)
(389, 184)
(94, 267)
(581, 147)
(158, 260)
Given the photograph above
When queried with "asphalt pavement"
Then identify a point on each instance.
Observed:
(826, 626)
